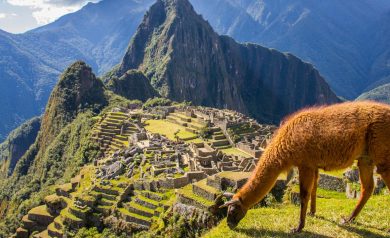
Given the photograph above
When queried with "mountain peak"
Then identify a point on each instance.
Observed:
(185, 60)
(77, 89)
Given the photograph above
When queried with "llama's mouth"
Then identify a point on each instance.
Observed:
(232, 225)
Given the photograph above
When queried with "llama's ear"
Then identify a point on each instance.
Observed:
(232, 202)
(228, 195)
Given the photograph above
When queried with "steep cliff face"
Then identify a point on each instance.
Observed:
(132, 85)
(16, 144)
(186, 60)
(323, 33)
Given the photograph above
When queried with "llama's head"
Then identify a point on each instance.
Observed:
(236, 211)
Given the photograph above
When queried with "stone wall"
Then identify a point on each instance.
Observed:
(196, 175)
(247, 148)
(172, 183)
(331, 183)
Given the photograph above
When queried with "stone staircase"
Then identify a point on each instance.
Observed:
(106, 197)
(219, 140)
(191, 124)
(143, 207)
(36, 220)
(55, 228)
(46, 219)
(112, 132)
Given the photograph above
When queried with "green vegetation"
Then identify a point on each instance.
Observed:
(205, 133)
(94, 233)
(63, 145)
(16, 144)
(235, 151)
(380, 94)
(132, 85)
(168, 129)
(278, 220)
(153, 102)
(187, 192)
(336, 173)
(236, 132)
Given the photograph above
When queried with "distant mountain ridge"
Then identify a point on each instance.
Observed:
(185, 60)
(379, 94)
(30, 63)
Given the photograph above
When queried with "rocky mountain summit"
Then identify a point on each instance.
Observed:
(184, 59)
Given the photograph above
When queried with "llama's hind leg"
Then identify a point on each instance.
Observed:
(313, 196)
(306, 181)
(366, 174)
(384, 171)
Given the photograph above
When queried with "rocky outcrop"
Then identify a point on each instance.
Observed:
(16, 144)
(185, 59)
(132, 85)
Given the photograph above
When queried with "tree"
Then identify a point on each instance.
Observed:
(176, 134)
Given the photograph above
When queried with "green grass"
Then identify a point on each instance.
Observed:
(277, 221)
(168, 129)
(187, 192)
(203, 184)
(126, 212)
(235, 151)
(41, 210)
(234, 175)
(66, 213)
(197, 140)
(122, 179)
(142, 208)
(336, 173)
(148, 200)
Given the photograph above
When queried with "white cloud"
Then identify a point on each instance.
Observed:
(3, 15)
(46, 11)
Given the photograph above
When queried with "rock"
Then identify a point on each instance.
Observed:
(330, 182)
(352, 175)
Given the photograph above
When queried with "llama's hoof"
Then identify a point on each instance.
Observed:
(296, 230)
(312, 214)
(345, 221)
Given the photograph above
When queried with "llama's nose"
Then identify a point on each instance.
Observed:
(232, 225)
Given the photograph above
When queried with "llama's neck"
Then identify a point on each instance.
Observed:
(263, 178)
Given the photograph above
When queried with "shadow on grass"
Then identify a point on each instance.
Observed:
(260, 233)
(360, 231)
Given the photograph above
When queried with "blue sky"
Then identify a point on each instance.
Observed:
(17, 16)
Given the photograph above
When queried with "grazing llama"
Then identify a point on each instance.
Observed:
(328, 138)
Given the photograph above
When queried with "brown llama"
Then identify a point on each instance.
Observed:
(328, 138)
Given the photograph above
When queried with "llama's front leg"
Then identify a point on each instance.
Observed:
(313, 196)
(306, 181)
(366, 170)
(384, 171)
